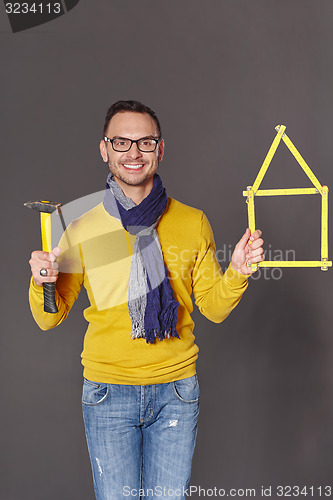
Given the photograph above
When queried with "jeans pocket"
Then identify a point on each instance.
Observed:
(187, 389)
(94, 393)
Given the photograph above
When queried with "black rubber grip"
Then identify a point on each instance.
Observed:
(50, 305)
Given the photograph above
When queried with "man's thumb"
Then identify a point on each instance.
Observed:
(56, 252)
(244, 239)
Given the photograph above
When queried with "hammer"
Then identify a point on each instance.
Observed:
(46, 208)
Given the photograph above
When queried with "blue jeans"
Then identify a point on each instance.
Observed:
(141, 438)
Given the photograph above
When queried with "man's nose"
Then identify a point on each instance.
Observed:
(134, 151)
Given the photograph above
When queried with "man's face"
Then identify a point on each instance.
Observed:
(132, 167)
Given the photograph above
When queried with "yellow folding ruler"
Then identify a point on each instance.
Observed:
(254, 190)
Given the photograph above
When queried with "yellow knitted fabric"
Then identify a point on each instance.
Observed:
(96, 252)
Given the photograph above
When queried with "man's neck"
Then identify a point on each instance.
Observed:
(136, 193)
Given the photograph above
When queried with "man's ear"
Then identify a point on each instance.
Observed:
(161, 150)
(103, 151)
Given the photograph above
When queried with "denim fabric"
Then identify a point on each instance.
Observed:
(141, 438)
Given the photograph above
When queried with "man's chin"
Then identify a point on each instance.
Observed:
(130, 181)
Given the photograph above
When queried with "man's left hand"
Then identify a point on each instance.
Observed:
(248, 250)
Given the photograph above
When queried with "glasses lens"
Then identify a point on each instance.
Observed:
(121, 144)
(147, 145)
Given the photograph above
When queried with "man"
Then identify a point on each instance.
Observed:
(140, 255)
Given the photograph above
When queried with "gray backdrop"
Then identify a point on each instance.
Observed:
(221, 74)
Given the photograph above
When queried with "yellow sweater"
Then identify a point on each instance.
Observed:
(96, 252)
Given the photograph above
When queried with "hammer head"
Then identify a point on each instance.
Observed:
(43, 206)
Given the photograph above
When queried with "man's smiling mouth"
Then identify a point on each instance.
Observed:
(133, 167)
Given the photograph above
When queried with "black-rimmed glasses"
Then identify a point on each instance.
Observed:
(122, 144)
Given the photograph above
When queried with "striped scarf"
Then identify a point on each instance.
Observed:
(151, 304)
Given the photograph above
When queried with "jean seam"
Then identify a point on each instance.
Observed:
(153, 405)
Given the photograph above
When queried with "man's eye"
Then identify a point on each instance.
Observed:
(120, 143)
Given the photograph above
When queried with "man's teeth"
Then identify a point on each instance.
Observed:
(133, 166)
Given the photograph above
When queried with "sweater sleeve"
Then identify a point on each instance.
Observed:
(216, 294)
(68, 286)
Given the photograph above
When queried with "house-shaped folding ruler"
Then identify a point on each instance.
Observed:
(254, 190)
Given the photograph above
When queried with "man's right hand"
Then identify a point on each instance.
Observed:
(45, 260)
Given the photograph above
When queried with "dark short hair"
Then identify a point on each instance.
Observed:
(135, 107)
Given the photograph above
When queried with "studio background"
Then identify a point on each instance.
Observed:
(220, 74)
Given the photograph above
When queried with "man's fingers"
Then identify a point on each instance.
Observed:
(255, 235)
(51, 267)
(256, 244)
(39, 280)
(37, 263)
(248, 251)
(40, 255)
(255, 256)
(36, 268)
(45, 260)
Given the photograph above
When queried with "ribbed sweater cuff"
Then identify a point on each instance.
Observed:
(234, 278)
